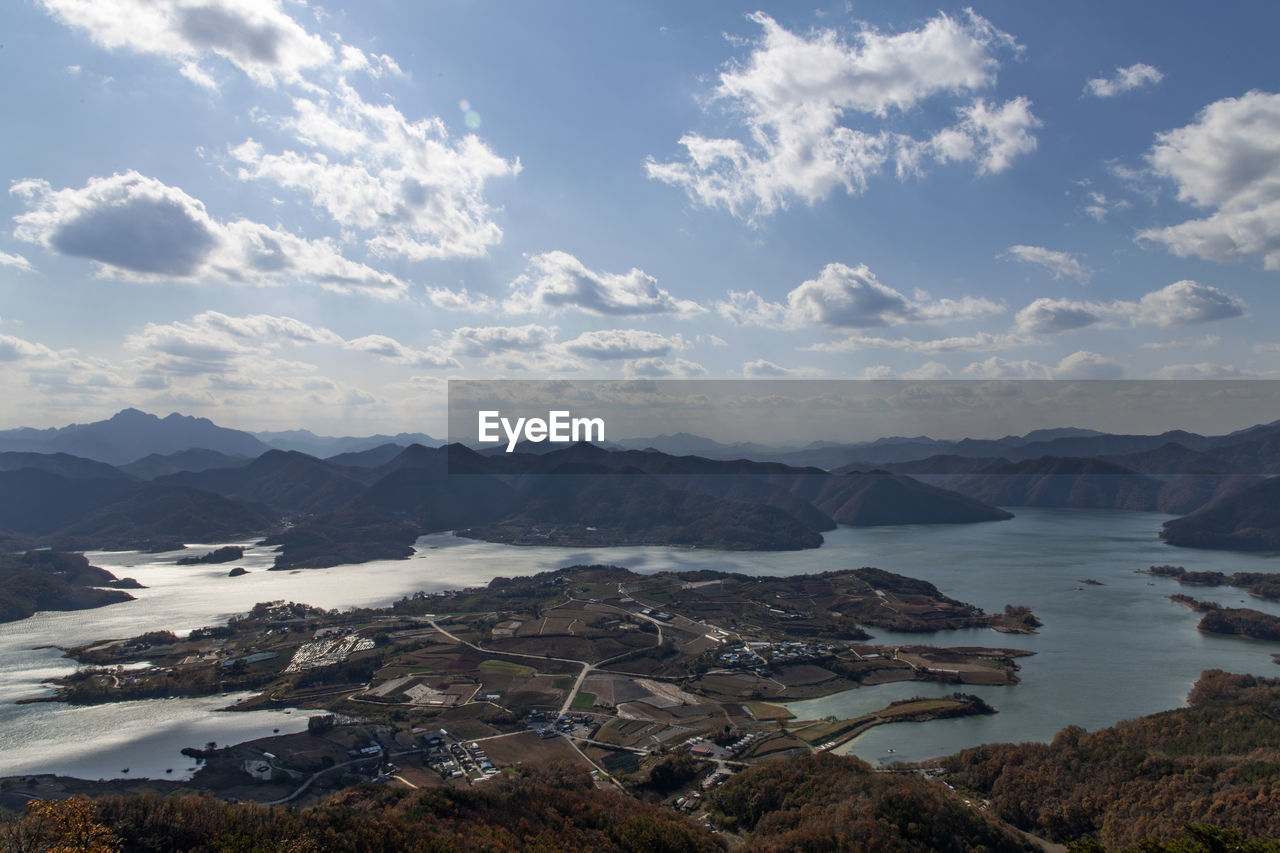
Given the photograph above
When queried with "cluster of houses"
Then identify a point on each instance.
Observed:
(753, 655)
(453, 760)
(548, 725)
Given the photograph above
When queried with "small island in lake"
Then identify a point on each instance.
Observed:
(225, 554)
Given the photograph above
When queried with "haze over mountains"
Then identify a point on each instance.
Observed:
(140, 481)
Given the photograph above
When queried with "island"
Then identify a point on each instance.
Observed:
(1243, 621)
(1264, 585)
(618, 672)
(225, 554)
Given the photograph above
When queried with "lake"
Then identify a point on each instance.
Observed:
(1105, 653)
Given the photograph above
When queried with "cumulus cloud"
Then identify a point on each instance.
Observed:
(242, 352)
(16, 261)
(557, 280)
(661, 368)
(412, 188)
(988, 135)
(490, 340)
(1178, 343)
(928, 370)
(1052, 316)
(607, 344)
(796, 95)
(1183, 303)
(764, 369)
(1078, 365)
(139, 228)
(1227, 161)
(415, 190)
(397, 353)
(851, 298)
(58, 374)
(1124, 80)
(982, 341)
(1060, 264)
(1202, 370)
(256, 36)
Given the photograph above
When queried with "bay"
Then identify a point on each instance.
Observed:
(1105, 653)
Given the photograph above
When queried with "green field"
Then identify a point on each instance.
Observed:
(583, 701)
(504, 667)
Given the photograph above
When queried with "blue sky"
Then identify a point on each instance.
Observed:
(281, 215)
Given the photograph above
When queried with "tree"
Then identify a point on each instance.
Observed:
(75, 826)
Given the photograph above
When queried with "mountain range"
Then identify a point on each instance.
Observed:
(373, 502)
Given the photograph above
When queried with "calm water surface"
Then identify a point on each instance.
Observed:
(1105, 653)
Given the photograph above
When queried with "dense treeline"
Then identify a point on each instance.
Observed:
(833, 803)
(1262, 584)
(1194, 838)
(556, 809)
(1217, 761)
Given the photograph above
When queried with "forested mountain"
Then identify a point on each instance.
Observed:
(1216, 761)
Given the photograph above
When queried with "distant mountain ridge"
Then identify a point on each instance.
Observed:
(129, 435)
(324, 446)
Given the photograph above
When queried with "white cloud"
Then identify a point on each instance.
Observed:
(762, 369)
(1099, 207)
(18, 349)
(1202, 370)
(557, 280)
(393, 351)
(1178, 343)
(982, 341)
(414, 190)
(1060, 264)
(256, 36)
(928, 370)
(485, 341)
(1051, 316)
(1183, 303)
(1124, 80)
(609, 344)
(991, 136)
(1228, 160)
(56, 374)
(240, 352)
(18, 261)
(796, 93)
(661, 368)
(1078, 365)
(851, 298)
(136, 227)
(213, 342)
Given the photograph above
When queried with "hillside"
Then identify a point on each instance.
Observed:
(1053, 481)
(1247, 520)
(1216, 761)
(48, 580)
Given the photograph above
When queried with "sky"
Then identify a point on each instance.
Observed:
(288, 214)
